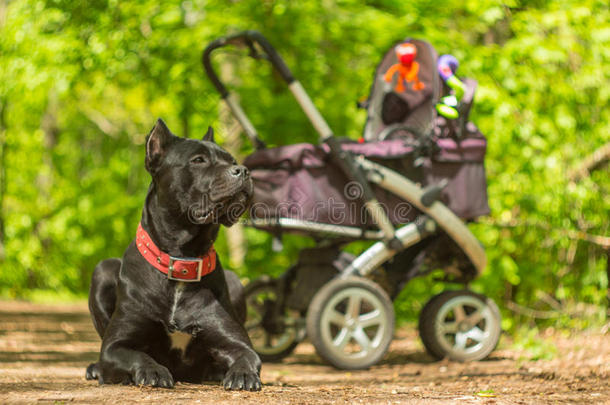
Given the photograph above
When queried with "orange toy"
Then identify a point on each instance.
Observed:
(406, 67)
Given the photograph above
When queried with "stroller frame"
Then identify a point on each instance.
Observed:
(390, 240)
(357, 169)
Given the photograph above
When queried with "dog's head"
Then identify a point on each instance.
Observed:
(197, 179)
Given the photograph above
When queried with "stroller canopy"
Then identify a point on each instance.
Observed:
(400, 96)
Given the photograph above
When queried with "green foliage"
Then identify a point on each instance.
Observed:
(533, 346)
(82, 82)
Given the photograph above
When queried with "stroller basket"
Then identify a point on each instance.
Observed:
(302, 181)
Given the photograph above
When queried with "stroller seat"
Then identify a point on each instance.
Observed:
(302, 182)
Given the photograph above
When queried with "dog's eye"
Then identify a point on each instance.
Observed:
(198, 160)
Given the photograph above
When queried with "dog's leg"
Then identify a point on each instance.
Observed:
(102, 294)
(121, 361)
(232, 352)
(236, 295)
(102, 299)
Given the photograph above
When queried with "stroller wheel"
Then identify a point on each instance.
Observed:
(273, 338)
(460, 325)
(350, 321)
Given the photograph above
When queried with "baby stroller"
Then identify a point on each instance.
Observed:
(409, 184)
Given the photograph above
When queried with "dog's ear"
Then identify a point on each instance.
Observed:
(157, 142)
(209, 136)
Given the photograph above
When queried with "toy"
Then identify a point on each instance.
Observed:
(406, 68)
(447, 66)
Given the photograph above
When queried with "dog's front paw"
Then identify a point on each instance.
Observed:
(242, 377)
(157, 376)
(93, 371)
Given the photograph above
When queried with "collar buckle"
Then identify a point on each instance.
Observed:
(170, 270)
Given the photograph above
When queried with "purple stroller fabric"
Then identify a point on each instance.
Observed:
(302, 182)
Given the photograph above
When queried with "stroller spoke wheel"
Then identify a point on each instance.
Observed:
(350, 322)
(370, 319)
(460, 325)
(273, 336)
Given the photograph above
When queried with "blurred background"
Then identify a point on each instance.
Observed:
(81, 84)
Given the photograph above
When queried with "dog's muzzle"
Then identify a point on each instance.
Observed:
(229, 197)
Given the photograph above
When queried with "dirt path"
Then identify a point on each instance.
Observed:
(44, 351)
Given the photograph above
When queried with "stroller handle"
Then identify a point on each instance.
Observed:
(249, 39)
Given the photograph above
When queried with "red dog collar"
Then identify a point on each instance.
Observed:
(176, 268)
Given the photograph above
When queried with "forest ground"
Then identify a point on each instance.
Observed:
(44, 350)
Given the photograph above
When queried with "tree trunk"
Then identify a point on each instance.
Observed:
(2, 174)
(608, 283)
(236, 240)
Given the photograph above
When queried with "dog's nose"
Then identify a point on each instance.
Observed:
(239, 171)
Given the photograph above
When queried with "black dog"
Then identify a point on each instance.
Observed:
(158, 328)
